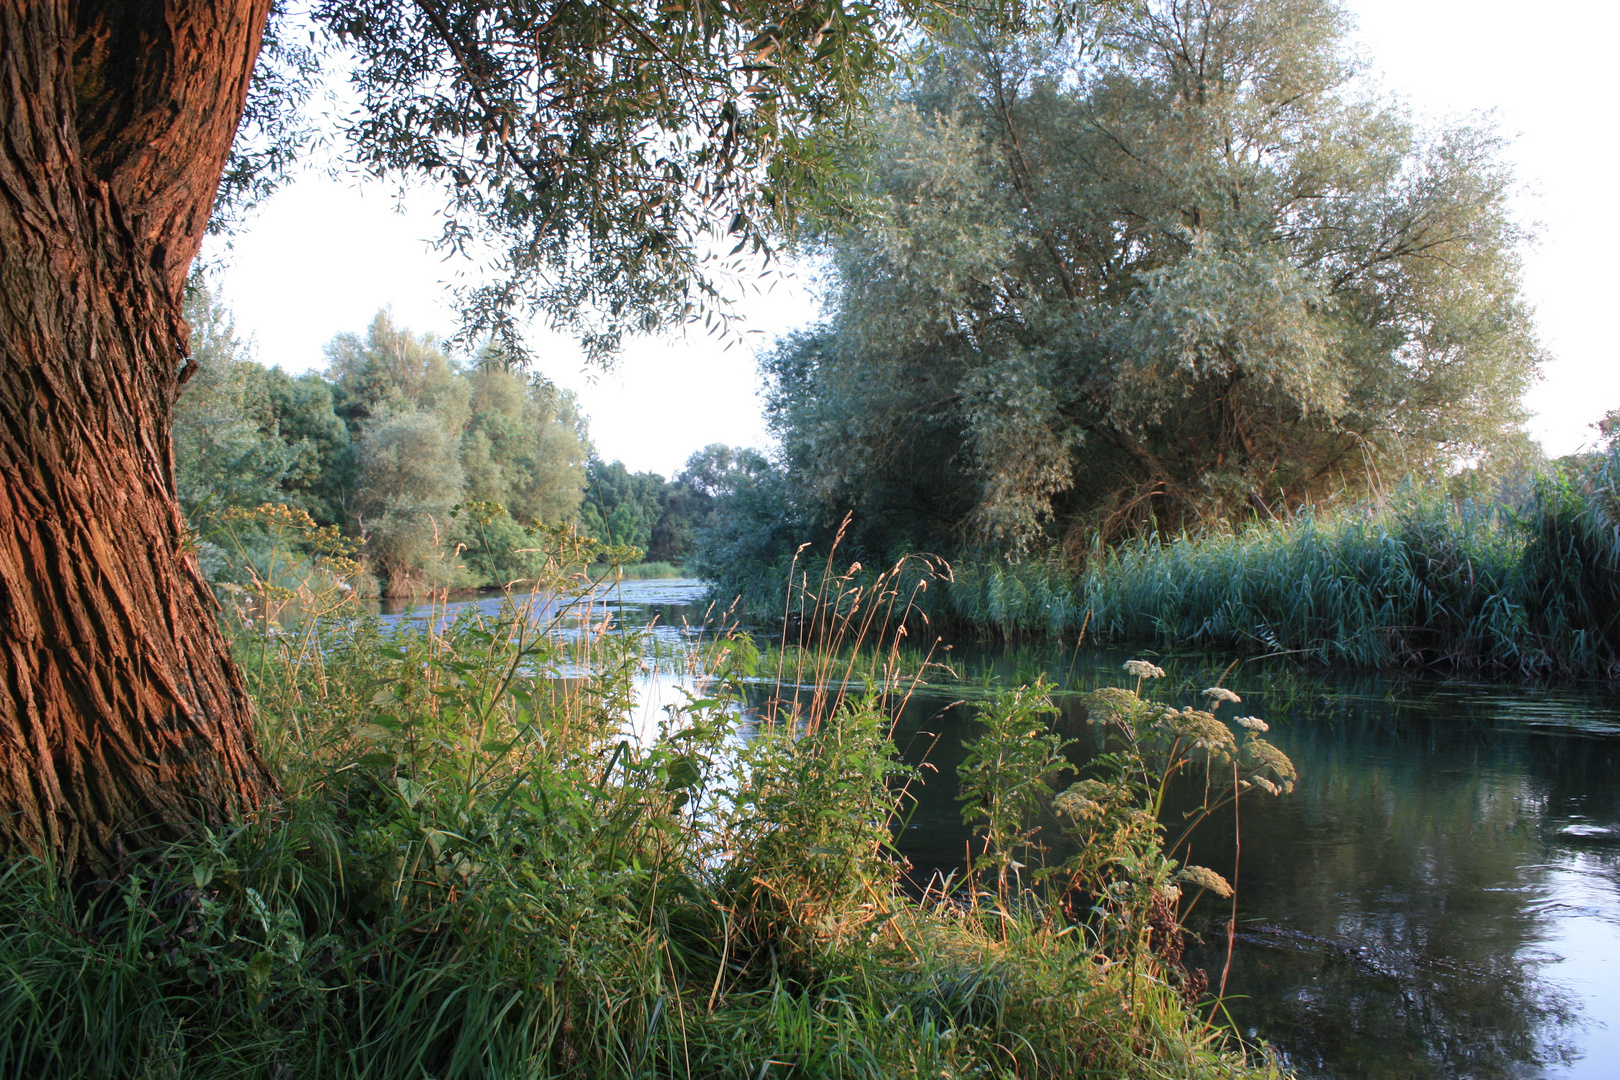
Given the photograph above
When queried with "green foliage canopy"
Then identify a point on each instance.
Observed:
(245, 434)
(387, 445)
(594, 157)
(1170, 269)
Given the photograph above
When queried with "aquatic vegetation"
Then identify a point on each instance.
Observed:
(1421, 581)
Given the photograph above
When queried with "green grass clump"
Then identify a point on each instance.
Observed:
(478, 870)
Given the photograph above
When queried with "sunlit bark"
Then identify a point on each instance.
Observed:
(122, 719)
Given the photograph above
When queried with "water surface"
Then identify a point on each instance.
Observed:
(1439, 898)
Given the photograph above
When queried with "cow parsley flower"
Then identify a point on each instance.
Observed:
(1200, 732)
(1143, 670)
(1111, 705)
(1221, 693)
(1086, 800)
(1259, 760)
(1253, 723)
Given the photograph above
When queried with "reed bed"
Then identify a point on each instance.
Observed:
(1417, 582)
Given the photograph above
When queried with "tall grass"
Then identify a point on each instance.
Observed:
(1418, 582)
(479, 869)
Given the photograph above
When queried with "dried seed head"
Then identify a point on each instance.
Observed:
(1205, 878)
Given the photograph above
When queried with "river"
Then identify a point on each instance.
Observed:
(1440, 897)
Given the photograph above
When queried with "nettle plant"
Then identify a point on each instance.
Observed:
(1005, 783)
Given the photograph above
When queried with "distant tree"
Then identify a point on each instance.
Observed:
(619, 506)
(1608, 429)
(300, 410)
(688, 502)
(525, 446)
(518, 441)
(1168, 269)
(681, 511)
(755, 523)
(392, 370)
(228, 450)
(410, 477)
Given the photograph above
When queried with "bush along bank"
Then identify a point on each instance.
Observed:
(478, 870)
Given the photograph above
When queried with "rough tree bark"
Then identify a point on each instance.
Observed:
(123, 721)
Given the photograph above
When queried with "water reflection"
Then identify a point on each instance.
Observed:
(667, 613)
(1416, 909)
(670, 610)
(1410, 910)
(1413, 910)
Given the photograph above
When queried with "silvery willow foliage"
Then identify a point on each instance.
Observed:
(1173, 267)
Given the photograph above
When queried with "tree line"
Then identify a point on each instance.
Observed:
(438, 470)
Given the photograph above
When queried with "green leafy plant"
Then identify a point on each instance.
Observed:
(481, 867)
(1123, 869)
(1005, 781)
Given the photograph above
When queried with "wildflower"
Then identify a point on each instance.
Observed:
(1205, 878)
(1221, 693)
(1252, 723)
(1086, 800)
(1143, 670)
(1201, 732)
(1259, 758)
(1110, 705)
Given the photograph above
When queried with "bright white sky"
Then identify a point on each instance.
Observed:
(323, 256)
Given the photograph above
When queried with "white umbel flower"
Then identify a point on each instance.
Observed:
(1143, 670)
(1221, 693)
(1253, 723)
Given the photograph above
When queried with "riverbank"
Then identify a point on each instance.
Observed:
(1428, 584)
(474, 872)
(1419, 582)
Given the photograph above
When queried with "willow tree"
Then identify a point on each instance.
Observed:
(1173, 268)
(584, 149)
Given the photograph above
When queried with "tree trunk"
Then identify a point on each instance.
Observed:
(123, 721)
